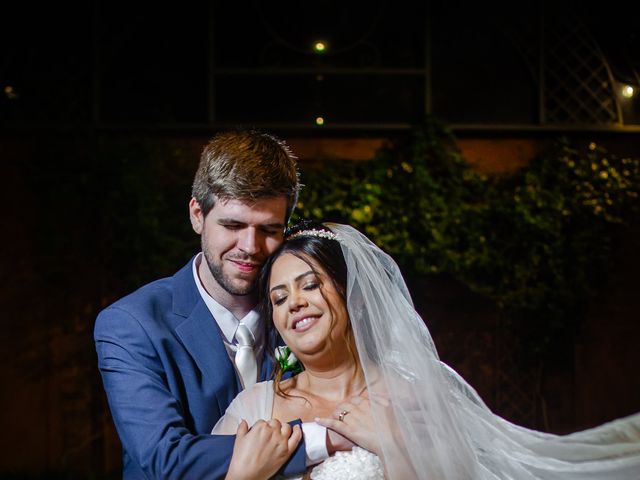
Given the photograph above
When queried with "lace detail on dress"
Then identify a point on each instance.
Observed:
(358, 464)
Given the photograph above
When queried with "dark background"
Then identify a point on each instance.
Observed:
(104, 107)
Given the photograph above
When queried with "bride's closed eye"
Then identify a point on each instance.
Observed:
(278, 300)
(311, 285)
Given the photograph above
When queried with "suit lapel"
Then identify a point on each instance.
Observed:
(201, 337)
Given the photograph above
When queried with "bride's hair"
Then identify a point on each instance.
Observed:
(324, 255)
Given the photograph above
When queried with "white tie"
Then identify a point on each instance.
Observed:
(245, 358)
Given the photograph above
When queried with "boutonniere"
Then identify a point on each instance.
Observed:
(287, 360)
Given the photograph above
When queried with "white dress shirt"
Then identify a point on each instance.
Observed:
(228, 323)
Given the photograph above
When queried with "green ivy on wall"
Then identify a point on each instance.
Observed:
(534, 241)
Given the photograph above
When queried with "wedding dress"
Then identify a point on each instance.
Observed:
(438, 423)
(256, 403)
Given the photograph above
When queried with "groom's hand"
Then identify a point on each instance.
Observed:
(259, 452)
(337, 442)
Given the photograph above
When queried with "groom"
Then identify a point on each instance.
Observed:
(169, 352)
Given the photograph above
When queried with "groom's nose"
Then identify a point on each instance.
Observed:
(249, 241)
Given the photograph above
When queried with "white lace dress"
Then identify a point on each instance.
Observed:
(256, 403)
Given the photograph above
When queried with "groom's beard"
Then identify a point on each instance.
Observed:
(225, 281)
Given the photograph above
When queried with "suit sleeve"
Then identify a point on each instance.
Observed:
(149, 419)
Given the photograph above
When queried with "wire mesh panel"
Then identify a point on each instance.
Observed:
(517, 389)
(578, 81)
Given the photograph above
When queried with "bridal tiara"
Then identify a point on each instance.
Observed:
(314, 232)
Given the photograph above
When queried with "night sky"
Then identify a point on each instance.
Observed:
(144, 62)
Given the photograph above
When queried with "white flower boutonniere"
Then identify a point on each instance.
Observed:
(287, 360)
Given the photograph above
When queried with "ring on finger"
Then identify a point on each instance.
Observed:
(342, 415)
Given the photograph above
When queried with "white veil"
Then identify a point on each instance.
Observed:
(432, 424)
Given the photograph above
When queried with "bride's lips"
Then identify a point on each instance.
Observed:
(303, 323)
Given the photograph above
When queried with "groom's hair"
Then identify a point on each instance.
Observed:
(246, 165)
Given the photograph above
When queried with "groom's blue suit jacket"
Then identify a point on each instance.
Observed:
(168, 380)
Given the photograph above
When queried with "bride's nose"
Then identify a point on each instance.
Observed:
(297, 300)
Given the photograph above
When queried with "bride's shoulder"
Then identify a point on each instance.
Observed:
(252, 404)
(259, 387)
(257, 390)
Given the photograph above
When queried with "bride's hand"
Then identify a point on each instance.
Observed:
(356, 424)
(259, 452)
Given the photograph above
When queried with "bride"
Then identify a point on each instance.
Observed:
(372, 374)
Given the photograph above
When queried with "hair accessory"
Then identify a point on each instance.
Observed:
(314, 232)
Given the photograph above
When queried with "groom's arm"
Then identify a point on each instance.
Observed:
(149, 419)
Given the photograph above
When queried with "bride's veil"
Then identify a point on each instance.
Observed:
(431, 423)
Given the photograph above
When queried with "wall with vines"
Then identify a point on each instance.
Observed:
(535, 241)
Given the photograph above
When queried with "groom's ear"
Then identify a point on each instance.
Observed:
(196, 216)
